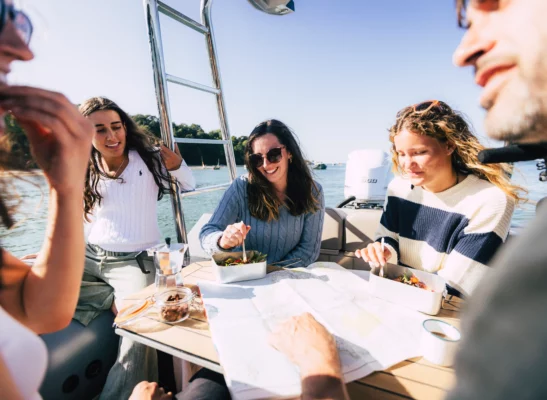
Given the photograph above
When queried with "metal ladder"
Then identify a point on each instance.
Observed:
(152, 8)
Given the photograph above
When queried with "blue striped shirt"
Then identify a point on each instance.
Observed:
(291, 238)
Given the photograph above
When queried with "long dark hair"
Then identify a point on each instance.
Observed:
(302, 192)
(10, 161)
(136, 139)
(7, 162)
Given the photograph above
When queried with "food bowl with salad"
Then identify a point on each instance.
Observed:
(230, 266)
(419, 290)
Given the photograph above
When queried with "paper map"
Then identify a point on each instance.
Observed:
(371, 334)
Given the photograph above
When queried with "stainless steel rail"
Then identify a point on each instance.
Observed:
(152, 8)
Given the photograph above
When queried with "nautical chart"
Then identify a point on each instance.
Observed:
(370, 334)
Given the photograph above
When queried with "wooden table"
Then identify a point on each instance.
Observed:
(191, 341)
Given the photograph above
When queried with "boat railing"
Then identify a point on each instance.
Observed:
(152, 9)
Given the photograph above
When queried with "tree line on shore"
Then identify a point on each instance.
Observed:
(193, 154)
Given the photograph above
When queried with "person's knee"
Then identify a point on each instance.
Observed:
(206, 385)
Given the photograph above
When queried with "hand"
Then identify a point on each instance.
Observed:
(114, 309)
(234, 235)
(171, 159)
(59, 136)
(149, 391)
(309, 345)
(373, 254)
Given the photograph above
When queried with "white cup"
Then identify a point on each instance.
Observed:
(439, 342)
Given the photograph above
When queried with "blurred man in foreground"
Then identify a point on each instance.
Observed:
(503, 352)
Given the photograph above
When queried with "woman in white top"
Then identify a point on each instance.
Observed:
(129, 171)
(41, 298)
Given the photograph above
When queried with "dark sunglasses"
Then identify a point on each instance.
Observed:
(20, 20)
(432, 105)
(273, 155)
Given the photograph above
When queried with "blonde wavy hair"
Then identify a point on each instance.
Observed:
(438, 120)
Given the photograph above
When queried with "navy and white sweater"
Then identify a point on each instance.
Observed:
(453, 233)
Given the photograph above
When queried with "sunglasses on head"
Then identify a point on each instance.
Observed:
(273, 155)
(432, 105)
(18, 18)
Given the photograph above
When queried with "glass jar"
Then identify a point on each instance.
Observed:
(174, 304)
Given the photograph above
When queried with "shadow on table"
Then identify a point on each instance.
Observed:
(278, 274)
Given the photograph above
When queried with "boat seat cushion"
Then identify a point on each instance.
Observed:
(333, 230)
(79, 359)
(359, 228)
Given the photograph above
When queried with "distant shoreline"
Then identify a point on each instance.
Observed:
(33, 172)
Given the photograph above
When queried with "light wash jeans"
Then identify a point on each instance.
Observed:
(136, 362)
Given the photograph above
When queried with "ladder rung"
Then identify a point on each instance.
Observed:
(205, 189)
(202, 141)
(191, 84)
(183, 19)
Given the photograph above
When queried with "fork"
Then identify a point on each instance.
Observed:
(382, 267)
(244, 252)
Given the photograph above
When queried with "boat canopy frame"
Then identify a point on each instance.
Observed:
(152, 9)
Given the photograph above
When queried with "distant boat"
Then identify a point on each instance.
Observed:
(320, 166)
(202, 163)
(218, 165)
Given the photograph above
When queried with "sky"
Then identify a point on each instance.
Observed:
(336, 72)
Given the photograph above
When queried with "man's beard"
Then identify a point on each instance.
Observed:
(523, 118)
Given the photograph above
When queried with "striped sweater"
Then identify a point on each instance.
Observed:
(453, 233)
(291, 238)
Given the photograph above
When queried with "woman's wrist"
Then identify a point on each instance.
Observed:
(66, 198)
(219, 244)
(328, 365)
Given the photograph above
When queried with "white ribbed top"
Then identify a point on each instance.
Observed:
(127, 218)
(25, 356)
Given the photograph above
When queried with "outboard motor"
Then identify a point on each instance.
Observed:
(368, 173)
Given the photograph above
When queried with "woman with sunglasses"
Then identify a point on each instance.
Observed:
(41, 298)
(278, 209)
(446, 213)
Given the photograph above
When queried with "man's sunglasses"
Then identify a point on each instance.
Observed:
(20, 20)
(273, 155)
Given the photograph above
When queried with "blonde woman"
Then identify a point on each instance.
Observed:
(446, 213)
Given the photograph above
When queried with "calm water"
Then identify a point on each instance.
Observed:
(27, 237)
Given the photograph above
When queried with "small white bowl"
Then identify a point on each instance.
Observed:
(426, 301)
(237, 273)
(439, 342)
